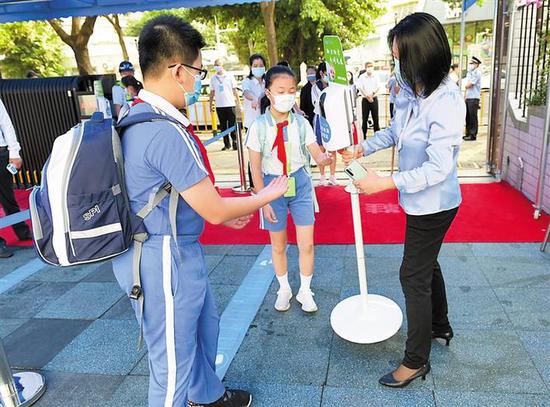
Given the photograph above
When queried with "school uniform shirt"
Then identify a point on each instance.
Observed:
(157, 152)
(119, 95)
(223, 86)
(428, 134)
(272, 165)
(368, 84)
(7, 133)
(474, 77)
(257, 88)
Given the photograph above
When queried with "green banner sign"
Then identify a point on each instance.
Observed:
(334, 56)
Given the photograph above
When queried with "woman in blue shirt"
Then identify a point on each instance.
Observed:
(427, 130)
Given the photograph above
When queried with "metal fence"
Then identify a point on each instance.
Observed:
(42, 109)
(530, 56)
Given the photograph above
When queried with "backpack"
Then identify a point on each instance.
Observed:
(80, 212)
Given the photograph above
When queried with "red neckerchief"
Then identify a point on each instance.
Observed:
(280, 144)
(202, 149)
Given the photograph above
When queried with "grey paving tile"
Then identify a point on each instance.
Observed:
(380, 271)
(121, 310)
(105, 347)
(21, 255)
(29, 297)
(360, 366)
(279, 355)
(462, 271)
(481, 360)
(216, 249)
(102, 274)
(223, 294)
(142, 367)
(37, 341)
(476, 308)
(8, 325)
(515, 271)
(131, 392)
(276, 394)
(509, 249)
(461, 399)
(64, 274)
(212, 260)
(456, 249)
(245, 249)
(78, 390)
(295, 317)
(353, 397)
(537, 345)
(527, 308)
(84, 301)
(379, 250)
(232, 269)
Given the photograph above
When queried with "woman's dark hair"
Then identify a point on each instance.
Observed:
(275, 72)
(350, 80)
(424, 52)
(321, 68)
(131, 81)
(251, 60)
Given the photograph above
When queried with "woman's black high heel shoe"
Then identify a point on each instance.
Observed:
(389, 380)
(445, 335)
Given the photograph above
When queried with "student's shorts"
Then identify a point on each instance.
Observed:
(301, 206)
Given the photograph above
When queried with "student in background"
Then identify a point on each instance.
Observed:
(306, 99)
(368, 85)
(120, 96)
(132, 86)
(393, 88)
(280, 143)
(223, 88)
(454, 73)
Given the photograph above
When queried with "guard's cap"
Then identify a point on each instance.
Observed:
(125, 66)
(475, 60)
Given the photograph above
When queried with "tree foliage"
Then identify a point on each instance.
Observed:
(30, 45)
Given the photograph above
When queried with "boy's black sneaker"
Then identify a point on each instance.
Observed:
(231, 398)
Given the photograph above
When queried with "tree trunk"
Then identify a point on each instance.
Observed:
(115, 22)
(83, 60)
(268, 12)
(78, 41)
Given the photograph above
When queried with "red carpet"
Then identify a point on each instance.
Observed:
(489, 213)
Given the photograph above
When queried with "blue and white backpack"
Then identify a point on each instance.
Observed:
(80, 213)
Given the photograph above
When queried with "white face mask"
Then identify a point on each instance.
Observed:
(217, 68)
(284, 103)
(471, 67)
(370, 71)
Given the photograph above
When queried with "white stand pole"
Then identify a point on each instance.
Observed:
(20, 389)
(364, 318)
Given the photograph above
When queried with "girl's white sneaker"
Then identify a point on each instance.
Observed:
(305, 297)
(332, 181)
(323, 181)
(283, 300)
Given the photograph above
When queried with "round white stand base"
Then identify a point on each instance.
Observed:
(380, 320)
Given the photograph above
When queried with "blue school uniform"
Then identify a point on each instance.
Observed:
(180, 319)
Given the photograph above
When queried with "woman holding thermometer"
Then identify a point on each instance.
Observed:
(281, 143)
(427, 130)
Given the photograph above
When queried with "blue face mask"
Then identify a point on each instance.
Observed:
(192, 98)
(311, 78)
(402, 84)
(258, 72)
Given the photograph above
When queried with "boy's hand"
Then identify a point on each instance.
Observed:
(239, 223)
(348, 156)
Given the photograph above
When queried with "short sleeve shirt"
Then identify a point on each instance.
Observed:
(156, 153)
(119, 95)
(272, 165)
(223, 87)
(257, 88)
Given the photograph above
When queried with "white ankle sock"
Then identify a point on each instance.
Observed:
(305, 282)
(283, 283)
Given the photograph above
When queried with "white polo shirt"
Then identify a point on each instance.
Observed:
(368, 84)
(272, 165)
(223, 86)
(7, 133)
